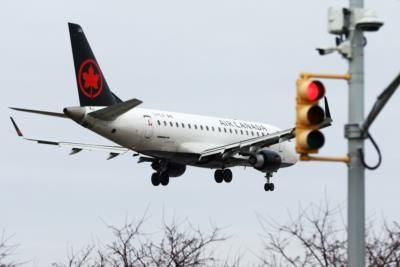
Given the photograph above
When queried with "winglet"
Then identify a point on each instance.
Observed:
(19, 133)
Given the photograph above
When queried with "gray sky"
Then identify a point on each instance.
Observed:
(236, 59)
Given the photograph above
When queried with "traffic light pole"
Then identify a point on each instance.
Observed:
(356, 171)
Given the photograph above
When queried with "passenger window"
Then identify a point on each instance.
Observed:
(230, 130)
(165, 123)
(201, 127)
(170, 123)
(183, 125)
(252, 134)
(212, 128)
(207, 128)
(219, 129)
(195, 126)
(236, 131)
(258, 134)
(247, 132)
(224, 129)
(177, 125)
(159, 122)
(189, 126)
(241, 132)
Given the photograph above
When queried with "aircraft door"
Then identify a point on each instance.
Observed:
(148, 126)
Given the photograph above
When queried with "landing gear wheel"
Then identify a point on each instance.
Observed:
(164, 179)
(227, 174)
(266, 187)
(155, 179)
(269, 187)
(219, 176)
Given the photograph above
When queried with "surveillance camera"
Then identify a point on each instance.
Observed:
(366, 20)
(325, 51)
(343, 48)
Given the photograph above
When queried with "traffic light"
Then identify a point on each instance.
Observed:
(309, 116)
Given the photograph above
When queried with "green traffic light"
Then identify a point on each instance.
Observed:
(315, 139)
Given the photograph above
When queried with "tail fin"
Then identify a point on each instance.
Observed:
(92, 86)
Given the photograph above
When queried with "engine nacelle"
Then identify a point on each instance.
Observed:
(175, 170)
(266, 160)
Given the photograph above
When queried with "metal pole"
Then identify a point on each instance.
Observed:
(356, 175)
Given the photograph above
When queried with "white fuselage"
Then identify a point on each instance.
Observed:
(182, 137)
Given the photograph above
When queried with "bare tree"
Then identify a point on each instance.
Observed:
(78, 259)
(179, 245)
(384, 249)
(313, 238)
(6, 251)
(186, 247)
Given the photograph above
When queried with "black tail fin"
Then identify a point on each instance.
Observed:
(92, 86)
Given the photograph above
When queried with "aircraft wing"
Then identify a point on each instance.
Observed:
(41, 112)
(243, 147)
(76, 147)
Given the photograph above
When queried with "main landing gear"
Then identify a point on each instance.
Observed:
(269, 186)
(223, 175)
(160, 178)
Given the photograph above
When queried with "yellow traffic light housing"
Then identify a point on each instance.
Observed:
(309, 116)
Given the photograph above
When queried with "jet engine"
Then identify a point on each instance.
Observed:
(266, 161)
(172, 169)
(175, 170)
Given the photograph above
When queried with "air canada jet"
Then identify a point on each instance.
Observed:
(169, 141)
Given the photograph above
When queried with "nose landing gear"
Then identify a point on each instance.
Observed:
(269, 186)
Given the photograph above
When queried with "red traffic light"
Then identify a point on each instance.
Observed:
(312, 90)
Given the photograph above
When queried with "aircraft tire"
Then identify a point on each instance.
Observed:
(271, 187)
(266, 187)
(219, 176)
(227, 174)
(155, 179)
(164, 179)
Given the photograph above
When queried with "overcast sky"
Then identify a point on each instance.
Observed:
(233, 58)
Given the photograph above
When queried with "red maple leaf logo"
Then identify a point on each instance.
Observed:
(91, 79)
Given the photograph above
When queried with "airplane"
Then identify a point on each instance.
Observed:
(169, 141)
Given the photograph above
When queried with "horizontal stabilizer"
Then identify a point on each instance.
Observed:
(41, 112)
(112, 112)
